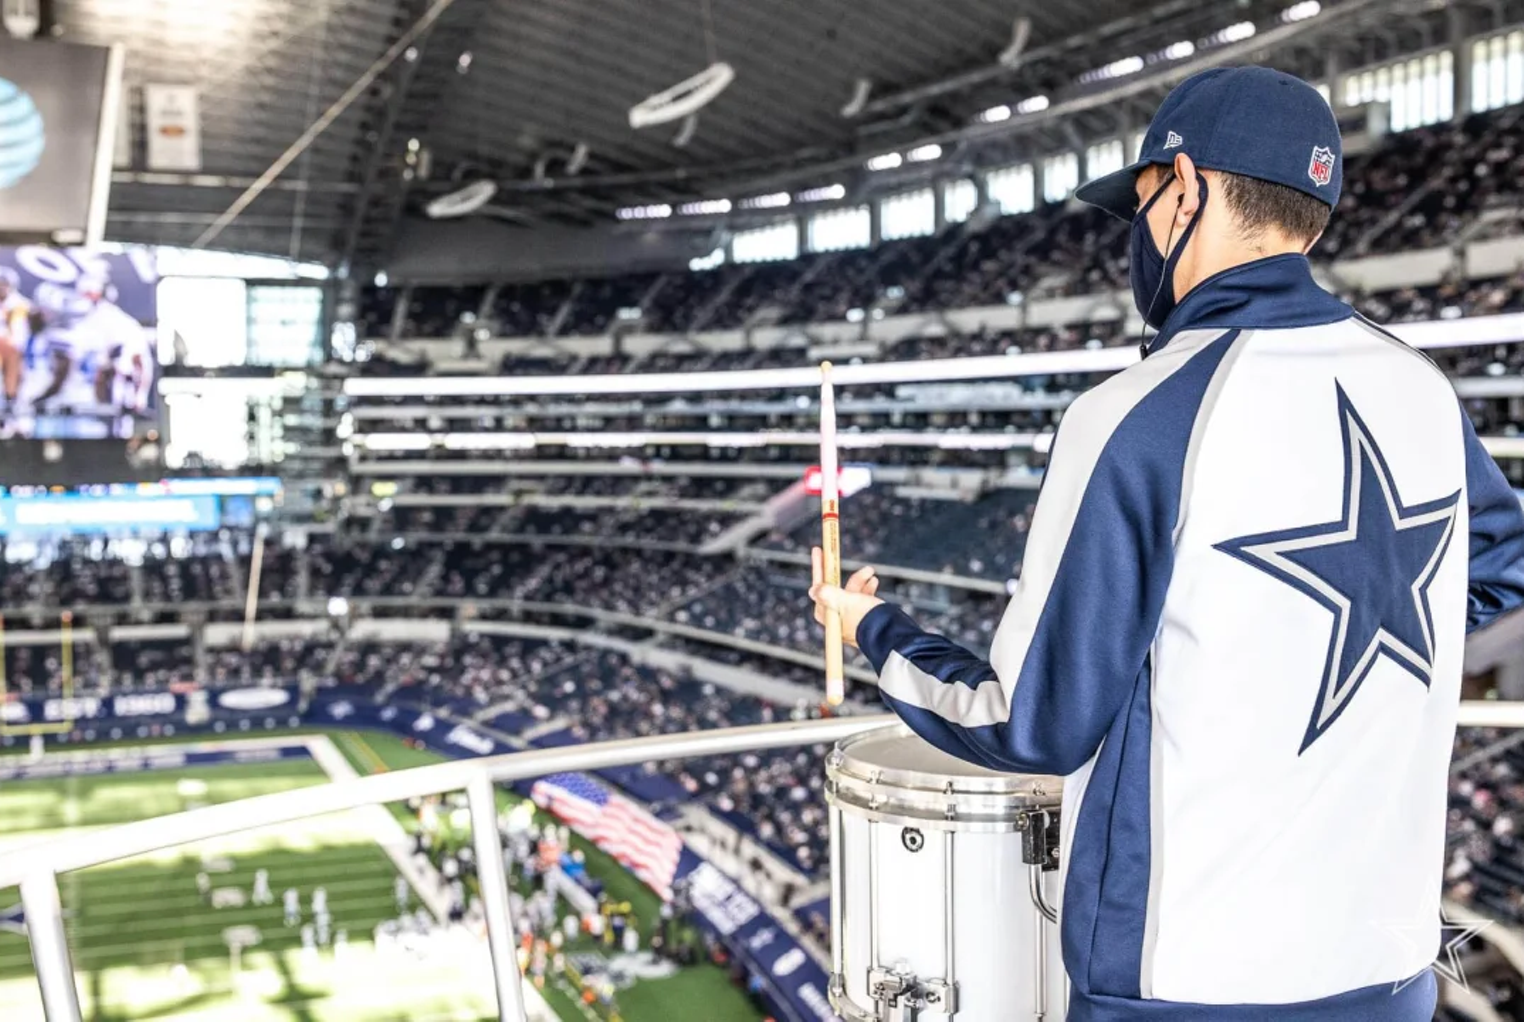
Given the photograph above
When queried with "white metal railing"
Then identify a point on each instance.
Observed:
(35, 868)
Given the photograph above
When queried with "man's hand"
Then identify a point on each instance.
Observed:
(852, 602)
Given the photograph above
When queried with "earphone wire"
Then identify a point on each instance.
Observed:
(1168, 241)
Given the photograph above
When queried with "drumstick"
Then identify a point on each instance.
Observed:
(830, 535)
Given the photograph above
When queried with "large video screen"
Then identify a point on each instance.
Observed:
(78, 332)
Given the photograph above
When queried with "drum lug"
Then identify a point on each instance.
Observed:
(901, 997)
(940, 997)
(950, 811)
(1039, 838)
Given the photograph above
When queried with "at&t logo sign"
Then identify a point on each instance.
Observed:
(21, 134)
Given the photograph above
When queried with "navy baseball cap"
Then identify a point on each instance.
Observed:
(1241, 120)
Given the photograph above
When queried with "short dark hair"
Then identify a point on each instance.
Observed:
(1257, 205)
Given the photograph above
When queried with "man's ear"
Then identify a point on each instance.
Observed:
(1190, 199)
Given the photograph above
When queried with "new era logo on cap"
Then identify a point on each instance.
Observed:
(1173, 141)
(1320, 169)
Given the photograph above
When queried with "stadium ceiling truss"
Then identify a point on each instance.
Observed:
(537, 97)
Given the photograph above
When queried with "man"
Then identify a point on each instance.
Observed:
(1240, 622)
(61, 358)
(15, 331)
(262, 894)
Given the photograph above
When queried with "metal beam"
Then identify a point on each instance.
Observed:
(414, 115)
(316, 128)
(159, 179)
(382, 144)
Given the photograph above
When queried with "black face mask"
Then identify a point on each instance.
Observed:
(1151, 272)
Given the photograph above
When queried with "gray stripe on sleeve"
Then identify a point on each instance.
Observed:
(965, 705)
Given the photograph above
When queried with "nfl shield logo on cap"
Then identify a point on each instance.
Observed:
(1321, 167)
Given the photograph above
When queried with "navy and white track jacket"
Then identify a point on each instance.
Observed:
(1238, 634)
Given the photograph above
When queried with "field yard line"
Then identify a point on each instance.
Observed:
(383, 828)
(357, 742)
(394, 842)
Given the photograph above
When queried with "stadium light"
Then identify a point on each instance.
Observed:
(924, 153)
(773, 200)
(829, 193)
(705, 207)
(885, 161)
(1235, 33)
(1032, 105)
(1302, 11)
(995, 114)
(659, 211)
(1177, 51)
(1116, 69)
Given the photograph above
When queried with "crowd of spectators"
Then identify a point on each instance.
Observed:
(982, 538)
(1486, 862)
(1417, 189)
(1452, 298)
(772, 607)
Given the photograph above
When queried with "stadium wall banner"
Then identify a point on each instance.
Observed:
(172, 117)
(253, 698)
(99, 716)
(795, 982)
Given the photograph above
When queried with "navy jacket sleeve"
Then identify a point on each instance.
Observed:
(1074, 641)
(1496, 577)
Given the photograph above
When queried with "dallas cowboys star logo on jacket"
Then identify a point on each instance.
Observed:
(1371, 568)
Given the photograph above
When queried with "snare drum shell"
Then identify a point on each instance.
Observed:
(909, 879)
(995, 927)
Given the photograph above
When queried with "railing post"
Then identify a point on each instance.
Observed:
(50, 946)
(492, 874)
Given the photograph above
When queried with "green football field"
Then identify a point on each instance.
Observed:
(147, 945)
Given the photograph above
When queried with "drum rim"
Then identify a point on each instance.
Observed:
(843, 769)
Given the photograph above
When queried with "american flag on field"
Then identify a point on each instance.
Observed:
(646, 845)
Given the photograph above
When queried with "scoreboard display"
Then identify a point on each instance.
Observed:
(170, 505)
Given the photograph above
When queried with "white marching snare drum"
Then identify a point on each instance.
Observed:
(942, 878)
